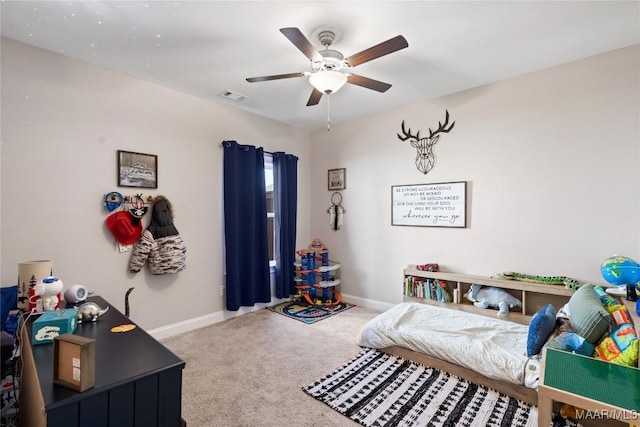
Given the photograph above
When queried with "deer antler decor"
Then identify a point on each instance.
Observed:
(425, 158)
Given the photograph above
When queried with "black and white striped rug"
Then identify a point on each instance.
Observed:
(377, 389)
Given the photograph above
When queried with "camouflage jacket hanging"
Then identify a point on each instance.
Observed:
(161, 246)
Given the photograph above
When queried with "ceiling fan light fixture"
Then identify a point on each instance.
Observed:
(328, 81)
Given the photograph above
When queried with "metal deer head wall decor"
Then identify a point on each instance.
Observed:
(425, 158)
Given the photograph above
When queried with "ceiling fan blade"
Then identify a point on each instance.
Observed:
(376, 85)
(382, 49)
(314, 98)
(296, 37)
(275, 77)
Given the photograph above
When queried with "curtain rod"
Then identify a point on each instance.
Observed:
(263, 150)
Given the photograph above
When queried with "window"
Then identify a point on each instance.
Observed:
(268, 182)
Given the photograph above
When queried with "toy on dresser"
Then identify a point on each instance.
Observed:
(489, 296)
(53, 323)
(90, 312)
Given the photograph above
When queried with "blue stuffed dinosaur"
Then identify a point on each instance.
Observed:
(488, 296)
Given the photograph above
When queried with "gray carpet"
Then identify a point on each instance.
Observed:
(250, 370)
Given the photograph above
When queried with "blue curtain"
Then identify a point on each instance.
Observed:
(245, 226)
(285, 198)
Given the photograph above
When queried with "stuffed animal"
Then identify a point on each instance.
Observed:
(484, 297)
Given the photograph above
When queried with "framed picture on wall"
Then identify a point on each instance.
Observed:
(137, 170)
(442, 204)
(337, 179)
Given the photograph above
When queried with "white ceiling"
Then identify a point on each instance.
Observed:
(204, 48)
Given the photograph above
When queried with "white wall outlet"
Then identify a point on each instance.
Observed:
(223, 290)
(124, 248)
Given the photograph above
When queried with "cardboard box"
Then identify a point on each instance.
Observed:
(50, 324)
(74, 361)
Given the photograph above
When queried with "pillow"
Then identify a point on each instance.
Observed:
(589, 318)
(607, 300)
(620, 346)
(571, 342)
(540, 328)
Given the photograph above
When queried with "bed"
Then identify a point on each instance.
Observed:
(485, 350)
(493, 352)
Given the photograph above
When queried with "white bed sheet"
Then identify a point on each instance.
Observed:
(493, 347)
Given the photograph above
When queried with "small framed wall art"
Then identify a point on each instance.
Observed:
(337, 179)
(137, 170)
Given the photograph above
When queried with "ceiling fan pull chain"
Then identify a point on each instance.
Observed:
(328, 113)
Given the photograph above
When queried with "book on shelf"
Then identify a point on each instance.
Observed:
(433, 289)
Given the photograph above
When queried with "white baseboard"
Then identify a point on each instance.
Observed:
(186, 325)
(368, 303)
(220, 316)
(206, 320)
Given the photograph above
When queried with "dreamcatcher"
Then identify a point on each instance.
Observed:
(336, 211)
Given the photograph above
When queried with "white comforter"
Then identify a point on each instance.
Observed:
(493, 347)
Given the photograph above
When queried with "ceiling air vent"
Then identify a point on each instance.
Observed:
(232, 96)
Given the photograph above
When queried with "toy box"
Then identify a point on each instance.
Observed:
(53, 323)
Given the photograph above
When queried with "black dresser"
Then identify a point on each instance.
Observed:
(138, 381)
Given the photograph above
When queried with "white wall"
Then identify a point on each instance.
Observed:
(552, 164)
(62, 123)
(551, 159)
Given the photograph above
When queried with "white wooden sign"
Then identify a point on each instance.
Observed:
(430, 205)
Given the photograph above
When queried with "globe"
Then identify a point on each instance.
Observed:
(620, 270)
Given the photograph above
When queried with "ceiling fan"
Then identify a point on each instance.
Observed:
(330, 70)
